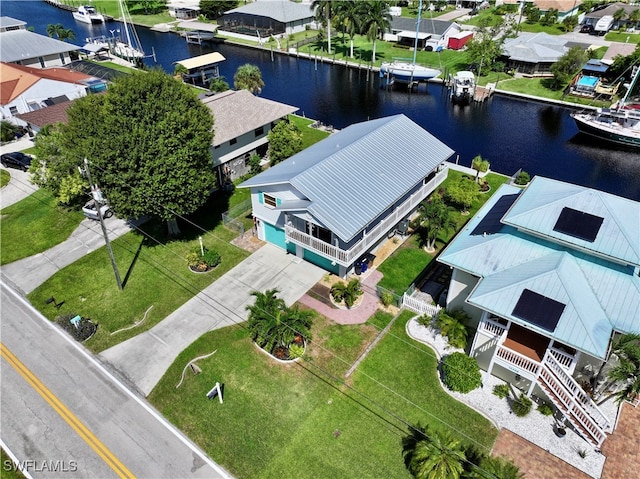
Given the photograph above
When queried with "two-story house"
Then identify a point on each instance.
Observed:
(335, 201)
(550, 276)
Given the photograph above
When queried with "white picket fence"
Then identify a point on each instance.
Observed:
(418, 306)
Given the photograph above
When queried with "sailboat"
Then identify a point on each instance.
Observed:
(407, 70)
(128, 47)
(619, 124)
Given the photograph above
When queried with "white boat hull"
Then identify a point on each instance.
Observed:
(408, 71)
(88, 15)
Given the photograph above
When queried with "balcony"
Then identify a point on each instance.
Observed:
(369, 238)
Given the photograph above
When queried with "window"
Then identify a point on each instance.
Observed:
(270, 200)
(62, 60)
(319, 232)
(233, 141)
(42, 63)
(259, 131)
(13, 110)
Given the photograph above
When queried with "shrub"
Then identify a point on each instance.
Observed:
(347, 292)
(501, 390)
(521, 406)
(545, 409)
(523, 178)
(296, 351)
(387, 298)
(425, 320)
(84, 329)
(196, 260)
(451, 325)
(461, 373)
(212, 258)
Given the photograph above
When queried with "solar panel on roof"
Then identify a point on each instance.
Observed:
(491, 222)
(538, 310)
(578, 224)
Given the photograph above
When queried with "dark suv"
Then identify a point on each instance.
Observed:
(16, 160)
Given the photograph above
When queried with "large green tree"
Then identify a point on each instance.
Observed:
(248, 77)
(212, 9)
(568, 65)
(285, 140)
(349, 14)
(324, 11)
(147, 139)
(434, 217)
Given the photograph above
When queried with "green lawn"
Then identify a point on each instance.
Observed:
(7, 472)
(303, 420)
(34, 225)
(402, 268)
(309, 135)
(155, 275)
(623, 37)
(5, 178)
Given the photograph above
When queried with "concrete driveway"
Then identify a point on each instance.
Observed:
(20, 186)
(145, 358)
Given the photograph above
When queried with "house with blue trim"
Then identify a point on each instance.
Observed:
(335, 201)
(550, 278)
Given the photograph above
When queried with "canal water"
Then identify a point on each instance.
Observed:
(510, 133)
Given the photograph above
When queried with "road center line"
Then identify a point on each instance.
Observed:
(109, 458)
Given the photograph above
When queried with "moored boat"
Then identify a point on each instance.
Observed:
(408, 71)
(463, 85)
(619, 124)
(88, 14)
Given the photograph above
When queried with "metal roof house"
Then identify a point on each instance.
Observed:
(267, 17)
(242, 125)
(431, 33)
(18, 45)
(333, 202)
(550, 277)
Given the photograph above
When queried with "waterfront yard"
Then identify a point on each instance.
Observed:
(305, 420)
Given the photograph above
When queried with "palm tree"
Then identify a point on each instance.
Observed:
(61, 33)
(273, 324)
(348, 13)
(431, 454)
(480, 165)
(634, 17)
(324, 11)
(627, 372)
(248, 77)
(434, 217)
(376, 19)
(619, 15)
(496, 468)
(347, 292)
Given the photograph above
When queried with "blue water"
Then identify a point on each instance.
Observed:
(588, 81)
(510, 133)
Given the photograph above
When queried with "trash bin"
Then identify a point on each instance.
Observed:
(358, 267)
(364, 266)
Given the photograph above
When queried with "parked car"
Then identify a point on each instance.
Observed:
(586, 29)
(17, 160)
(91, 212)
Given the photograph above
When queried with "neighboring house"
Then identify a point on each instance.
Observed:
(550, 278)
(24, 89)
(183, 12)
(242, 122)
(431, 33)
(18, 45)
(565, 8)
(533, 53)
(334, 202)
(592, 18)
(51, 115)
(268, 18)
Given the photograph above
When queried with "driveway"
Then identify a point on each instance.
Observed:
(19, 187)
(145, 358)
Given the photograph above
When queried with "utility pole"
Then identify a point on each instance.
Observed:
(97, 197)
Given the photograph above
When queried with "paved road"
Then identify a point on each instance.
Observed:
(145, 358)
(61, 408)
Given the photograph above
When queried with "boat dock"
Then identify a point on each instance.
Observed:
(484, 92)
(66, 5)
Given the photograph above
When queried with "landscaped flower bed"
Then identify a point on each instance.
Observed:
(80, 328)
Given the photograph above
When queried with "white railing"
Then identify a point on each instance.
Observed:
(565, 360)
(522, 362)
(418, 306)
(347, 257)
(575, 392)
(491, 327)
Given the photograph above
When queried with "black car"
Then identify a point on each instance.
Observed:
(16, 160)
(586, 29)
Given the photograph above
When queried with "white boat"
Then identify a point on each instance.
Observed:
(619, 124)
(406, 70)
(88, 14)
(463, 85)
(128, 46)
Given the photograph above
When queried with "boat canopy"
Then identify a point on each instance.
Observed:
(408, 34)
(202, 60)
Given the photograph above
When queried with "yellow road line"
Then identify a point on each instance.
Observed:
(108, 457)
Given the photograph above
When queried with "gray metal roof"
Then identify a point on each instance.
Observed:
(427, 25)
(355, 175)
(599, 295)
(283, 11)
(239, 112)
(6, 22)
(535, 48)
(16, 45)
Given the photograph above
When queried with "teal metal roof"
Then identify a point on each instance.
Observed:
(355, 175)
(599, 295)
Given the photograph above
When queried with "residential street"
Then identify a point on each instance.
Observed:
(61, 407)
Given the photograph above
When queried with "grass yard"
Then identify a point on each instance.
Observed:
(34, 225)
(302, 420)
(309, 135)
(402, 268)
(154, 275)
(9, 472)
(5, 178)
